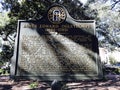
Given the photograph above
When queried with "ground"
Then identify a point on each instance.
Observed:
(112, 83)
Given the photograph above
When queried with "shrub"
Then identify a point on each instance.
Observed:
(112, 60)
(33, 85)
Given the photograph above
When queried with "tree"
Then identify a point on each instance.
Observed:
(6, 29)
(108, 25)
(103, 11)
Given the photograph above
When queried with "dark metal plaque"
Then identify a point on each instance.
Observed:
(56, 47)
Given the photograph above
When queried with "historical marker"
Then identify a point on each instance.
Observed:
(56, 47)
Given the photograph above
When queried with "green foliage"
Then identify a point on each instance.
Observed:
(33, 85)
(4, 72)
(107, 23)
(5, 56)
(117, 70)
(1, 71)
(1, 63)
(4, 19)
(6, 53)
(112, 60)
(27, 9)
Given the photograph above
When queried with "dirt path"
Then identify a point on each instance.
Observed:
(112, 84)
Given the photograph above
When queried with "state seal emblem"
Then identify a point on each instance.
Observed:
(56, 15)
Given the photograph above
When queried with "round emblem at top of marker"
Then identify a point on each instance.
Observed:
(56, 15)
